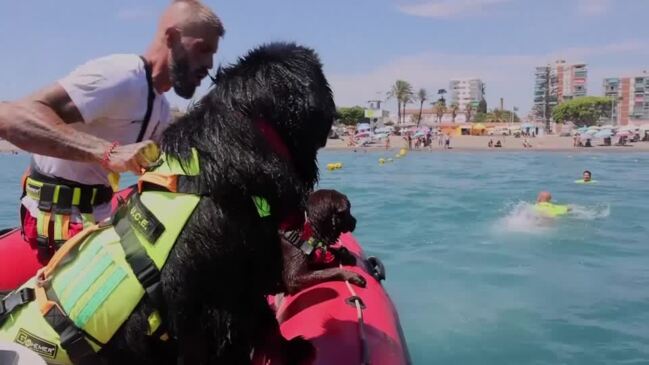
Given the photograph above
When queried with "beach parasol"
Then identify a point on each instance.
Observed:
(605, 133)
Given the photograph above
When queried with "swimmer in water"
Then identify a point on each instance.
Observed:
(587, 176)
(545, 206)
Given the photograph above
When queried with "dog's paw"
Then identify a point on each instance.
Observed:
(346, 257)
(299, 351)
(354, 278)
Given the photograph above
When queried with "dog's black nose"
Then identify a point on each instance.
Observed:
(351, 224)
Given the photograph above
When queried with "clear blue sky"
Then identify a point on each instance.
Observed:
(365, 44)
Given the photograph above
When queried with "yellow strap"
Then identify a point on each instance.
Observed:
(55, 199)
(76, 196)
(58, 227)
(43, 223)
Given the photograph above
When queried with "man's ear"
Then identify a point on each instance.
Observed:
(172, 36)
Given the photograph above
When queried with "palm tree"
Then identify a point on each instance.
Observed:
(468, 112)
(498, 115)
(402, 91)
(441, 93)
(439, 109)
(454, 110)
(422, 96)
(407, 99)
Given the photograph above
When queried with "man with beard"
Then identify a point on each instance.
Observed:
(100, 119)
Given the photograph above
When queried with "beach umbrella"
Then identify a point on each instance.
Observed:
(625, 133)
(606, 133)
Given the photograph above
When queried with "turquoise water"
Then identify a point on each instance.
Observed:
(477, 277)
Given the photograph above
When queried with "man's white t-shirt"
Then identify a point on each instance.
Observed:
(111, 93)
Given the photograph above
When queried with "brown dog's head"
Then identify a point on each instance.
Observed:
(329, 213)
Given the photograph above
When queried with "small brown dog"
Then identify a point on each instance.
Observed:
(308, 257)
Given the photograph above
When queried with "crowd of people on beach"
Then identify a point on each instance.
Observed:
(426, 141)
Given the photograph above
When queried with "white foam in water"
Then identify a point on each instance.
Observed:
(589, 213)
(524, 218)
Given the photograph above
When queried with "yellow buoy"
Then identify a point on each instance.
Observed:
(334, 166)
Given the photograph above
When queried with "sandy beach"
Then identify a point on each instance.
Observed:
(467, 143)
(509, 143)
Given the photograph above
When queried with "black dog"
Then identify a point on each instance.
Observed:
(257, 133)
(328, 216)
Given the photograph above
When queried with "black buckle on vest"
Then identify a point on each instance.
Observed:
(74, 342)
(73, 339)
(46, 198)
(15, 300)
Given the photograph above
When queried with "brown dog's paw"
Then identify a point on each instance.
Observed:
(299, 351)
(354, 278)
(345, 257)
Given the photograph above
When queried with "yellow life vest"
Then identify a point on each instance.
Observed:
(92, 284)
(550, 209)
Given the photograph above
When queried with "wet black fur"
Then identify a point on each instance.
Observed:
(228, 258)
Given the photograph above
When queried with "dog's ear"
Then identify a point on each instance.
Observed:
(345, 221)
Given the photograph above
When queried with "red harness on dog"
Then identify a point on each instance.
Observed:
(294, 220)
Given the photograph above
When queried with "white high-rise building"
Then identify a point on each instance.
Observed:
(466, 91)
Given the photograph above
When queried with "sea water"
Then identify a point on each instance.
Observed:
(477, 276)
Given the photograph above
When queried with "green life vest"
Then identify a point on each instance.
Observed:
(550, 209)
(108, 272)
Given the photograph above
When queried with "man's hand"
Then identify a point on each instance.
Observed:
(132, 157)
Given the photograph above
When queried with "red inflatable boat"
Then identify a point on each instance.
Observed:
(19, 261)
(347, 324)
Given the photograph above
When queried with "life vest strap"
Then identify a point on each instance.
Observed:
(142, 265)
(295, 238)
(55, 198)
(15, 300)
(73, 339)
(172, 183)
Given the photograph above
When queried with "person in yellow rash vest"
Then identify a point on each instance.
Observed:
(545, 207)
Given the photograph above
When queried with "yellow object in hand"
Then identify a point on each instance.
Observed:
(151, 154)
(113, 179)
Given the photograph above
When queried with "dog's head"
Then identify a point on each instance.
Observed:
(275, 99)
(283, 85)
(329, 213)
